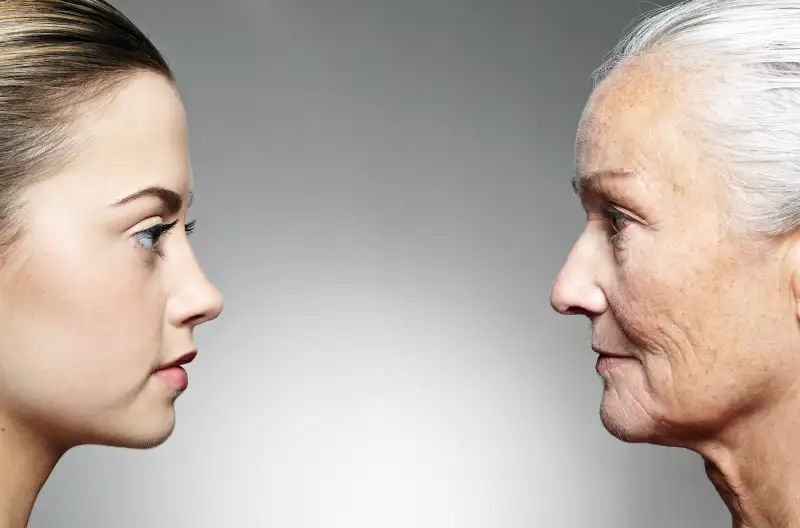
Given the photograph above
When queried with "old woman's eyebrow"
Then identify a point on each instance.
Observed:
(586, 180)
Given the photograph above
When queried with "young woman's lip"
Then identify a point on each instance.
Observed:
(182, 360)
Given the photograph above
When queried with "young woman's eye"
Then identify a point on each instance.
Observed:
(149, 238)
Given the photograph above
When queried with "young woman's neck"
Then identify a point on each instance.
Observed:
(26, 462)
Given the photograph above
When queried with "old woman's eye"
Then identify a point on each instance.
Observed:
(618, 220)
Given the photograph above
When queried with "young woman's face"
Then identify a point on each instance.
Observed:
(97, 296)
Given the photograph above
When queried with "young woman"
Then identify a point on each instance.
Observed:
(99, 288)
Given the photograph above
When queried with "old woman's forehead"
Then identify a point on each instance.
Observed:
(635, 118)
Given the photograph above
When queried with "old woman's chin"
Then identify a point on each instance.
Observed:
(626, 417)
(639, 408)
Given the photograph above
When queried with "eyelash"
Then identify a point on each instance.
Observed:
(156, 232)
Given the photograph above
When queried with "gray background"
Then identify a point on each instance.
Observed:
(384, 199)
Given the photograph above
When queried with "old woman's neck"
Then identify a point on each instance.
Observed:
(755, 467)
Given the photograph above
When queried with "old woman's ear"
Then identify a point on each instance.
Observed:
(687, 153)
(790, 276)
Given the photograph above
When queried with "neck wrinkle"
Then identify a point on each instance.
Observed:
(755, 466)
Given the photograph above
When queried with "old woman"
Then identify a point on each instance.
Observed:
(688, 171)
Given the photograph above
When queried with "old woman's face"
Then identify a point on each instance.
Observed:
(696, 328)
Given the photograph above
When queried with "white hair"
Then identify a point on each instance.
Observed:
(750, 113)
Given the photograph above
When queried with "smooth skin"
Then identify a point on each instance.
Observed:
(90, 301)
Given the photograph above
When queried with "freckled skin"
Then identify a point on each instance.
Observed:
(709, 320)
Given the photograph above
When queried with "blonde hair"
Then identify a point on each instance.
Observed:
(54, 56)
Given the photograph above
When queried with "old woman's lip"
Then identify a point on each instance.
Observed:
(605, 353)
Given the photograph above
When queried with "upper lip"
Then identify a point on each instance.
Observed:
(182, 360)
(604, 352)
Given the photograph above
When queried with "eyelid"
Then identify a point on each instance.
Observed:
(166, 226)
(152, 221)
(615, 209)
(160, 229)
(611, 196)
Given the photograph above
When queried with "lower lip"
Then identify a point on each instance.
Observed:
(175, 377)
(608, 363)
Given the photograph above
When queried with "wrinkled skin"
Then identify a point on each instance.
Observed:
(706, 322)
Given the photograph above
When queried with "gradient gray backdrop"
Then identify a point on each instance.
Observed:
(383, 197)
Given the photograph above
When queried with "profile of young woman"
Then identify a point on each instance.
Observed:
(99, 288)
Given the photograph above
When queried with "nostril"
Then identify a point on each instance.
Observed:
(570, 311)
(575, 310)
